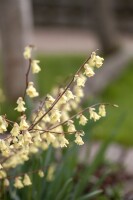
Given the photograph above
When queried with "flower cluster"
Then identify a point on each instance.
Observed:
(50, 124)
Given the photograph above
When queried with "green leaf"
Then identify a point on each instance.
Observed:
(90, 195)
(62, 192)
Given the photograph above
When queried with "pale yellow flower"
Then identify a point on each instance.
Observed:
(80, 79)
(15, 130)
(69, 95)
(78, 140)
(55, 116)
(27, 52)
(26, 180)
(31, 91)
(21, 103)
(99, 61)
(63, 141)
(91, 61)
(71, 126)
(35, 67)
(78, 91)
(23, 124)
(102, 111)
(49, 101)
(41, 173)
(93, 114)
(3, 145)
(95, 61)
(3, 125)
(82, 119)
(6, 182)
(2, 174)
(18, 183)
(88, 71)
(50, 138)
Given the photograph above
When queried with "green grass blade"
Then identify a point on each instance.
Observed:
(90, 195)
(62, 192)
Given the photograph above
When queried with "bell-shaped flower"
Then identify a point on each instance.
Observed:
(31, 91)
(35, 67)
(21, 103)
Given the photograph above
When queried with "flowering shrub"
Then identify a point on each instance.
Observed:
(49, 124)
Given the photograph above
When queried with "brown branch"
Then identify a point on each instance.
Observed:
(66, 132)
(27, 77)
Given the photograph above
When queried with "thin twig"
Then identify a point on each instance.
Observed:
(27, 78)
(56, 132)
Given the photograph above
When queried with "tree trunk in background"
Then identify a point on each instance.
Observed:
(104, 24)
(16, 25)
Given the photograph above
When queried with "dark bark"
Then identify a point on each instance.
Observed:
(104, 24)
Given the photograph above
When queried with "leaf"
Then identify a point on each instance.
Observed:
(90, 195)
(62, 192)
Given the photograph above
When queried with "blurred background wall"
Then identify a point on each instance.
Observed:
(66, 25)
(79, 13)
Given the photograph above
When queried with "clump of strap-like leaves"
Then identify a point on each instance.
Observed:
(50, 123)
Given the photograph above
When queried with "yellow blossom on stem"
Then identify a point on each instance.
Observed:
(55, 116)
(27, 52)
(88, 70)
(71, 126)
(63, 141)
(31, 91)
(99, 61)
(78, 91)
(6, 182)
(102, 111)
(3, 145)
(93, 114)
(18, 183)
(21, 103)
(69, 95)
(82, 119)
(3, 124)
(49, 101)
(80, 79)
(91, 61)
(95, 61)
(41, 173)
(78, 139)
(50, 138)
(15, 130)
(23, 124)
(26, 180)
(35, 67)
